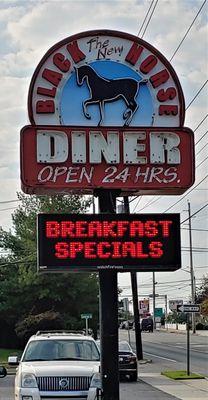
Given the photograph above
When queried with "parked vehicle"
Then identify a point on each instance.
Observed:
(3, 372)
(127, 361)
(56, 365)
(147, 324)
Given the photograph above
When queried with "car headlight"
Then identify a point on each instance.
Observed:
(96, 381)
(29, 381)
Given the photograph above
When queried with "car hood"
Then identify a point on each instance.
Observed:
(57, 368)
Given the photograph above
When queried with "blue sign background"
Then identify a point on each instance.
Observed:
(73, 95)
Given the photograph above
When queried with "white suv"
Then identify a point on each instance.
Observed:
(56, 366)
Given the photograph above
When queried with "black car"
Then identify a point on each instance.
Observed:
(127, 361)
(147, 325)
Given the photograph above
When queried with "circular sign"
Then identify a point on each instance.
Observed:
(105, 78)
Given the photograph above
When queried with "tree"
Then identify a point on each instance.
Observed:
(24, 292)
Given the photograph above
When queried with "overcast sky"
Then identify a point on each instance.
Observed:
(29, 28)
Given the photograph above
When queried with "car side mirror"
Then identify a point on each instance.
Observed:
(13, 360)
(3, 372)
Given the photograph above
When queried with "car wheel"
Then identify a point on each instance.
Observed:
(133, 376)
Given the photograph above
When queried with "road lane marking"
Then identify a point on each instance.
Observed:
(164, 358)
(184, 347)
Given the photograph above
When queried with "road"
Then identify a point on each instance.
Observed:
(7, 388)
(128, 390)
(168, 350)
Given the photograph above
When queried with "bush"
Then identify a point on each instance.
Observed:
(27, 327)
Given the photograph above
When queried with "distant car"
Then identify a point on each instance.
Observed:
(127, 325)
(127, 361)
(147, 325)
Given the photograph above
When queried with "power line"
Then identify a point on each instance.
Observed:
(201, 122)
(157, 199)
(195, 229)
(188, 31)
(201, 149)
(150, 17)
(196, 94)
(194, 213)
(149, 203)
(25, 260)
(5, 209)
(9, 201)
(195, 248)
(137, 204)
(185, 194)
(201, 138)
(145, 17)
(202, 162)
(195, 251)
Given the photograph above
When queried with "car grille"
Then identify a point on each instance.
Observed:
(63, 383)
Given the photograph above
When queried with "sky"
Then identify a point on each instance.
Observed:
(29, 28)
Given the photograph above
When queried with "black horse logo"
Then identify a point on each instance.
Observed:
(104, 90)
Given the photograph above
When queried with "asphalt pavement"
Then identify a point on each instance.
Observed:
(128, 390)
(164, 351)
(169, 350)
(142, 391)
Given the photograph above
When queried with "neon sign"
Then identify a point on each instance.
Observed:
(139, 242)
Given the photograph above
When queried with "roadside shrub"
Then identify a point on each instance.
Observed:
(49, 320)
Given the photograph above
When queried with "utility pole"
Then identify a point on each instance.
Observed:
(109, 313)
(191, 269)
(166, 305)
(153, 298)
(138, 336)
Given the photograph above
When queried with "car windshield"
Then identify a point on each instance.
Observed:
(124, 346)
(48, 350)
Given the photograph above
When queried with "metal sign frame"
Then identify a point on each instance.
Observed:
(120, 242)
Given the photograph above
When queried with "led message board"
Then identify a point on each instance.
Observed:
(124, 242)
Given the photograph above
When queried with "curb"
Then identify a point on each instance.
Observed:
(145, 361)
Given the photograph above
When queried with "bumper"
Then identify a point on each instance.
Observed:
(127, 368)
(35, 394)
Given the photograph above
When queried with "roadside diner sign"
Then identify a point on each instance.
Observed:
(124, 242)
(106, 111)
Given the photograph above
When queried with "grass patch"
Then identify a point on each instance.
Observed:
(5, 353)
(181, 375)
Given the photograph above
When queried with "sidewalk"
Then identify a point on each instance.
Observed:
(142, 391)
(171, 330)
(191, 389)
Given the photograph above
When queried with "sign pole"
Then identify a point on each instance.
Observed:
(138, 336)
(109, 314)
(188, 343)
(153, 299)
(86, 319)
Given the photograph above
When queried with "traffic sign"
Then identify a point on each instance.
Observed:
(188, 308)
(158, 312)
(86, 316)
